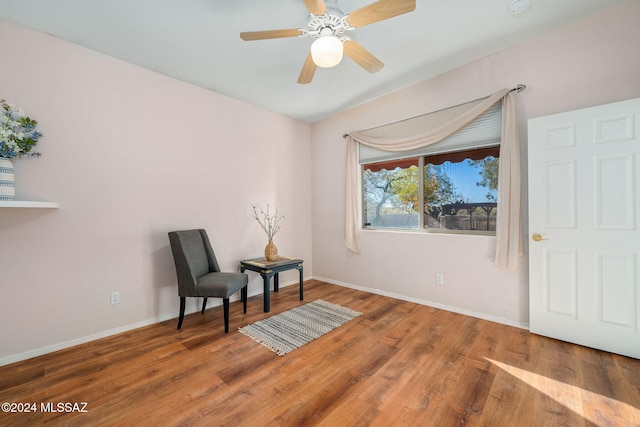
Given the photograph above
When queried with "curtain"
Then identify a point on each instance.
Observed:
(413, 134)
(509, 221)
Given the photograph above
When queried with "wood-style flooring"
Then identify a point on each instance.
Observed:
(399, 364)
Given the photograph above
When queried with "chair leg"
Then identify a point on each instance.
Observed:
(243, 296)
(182, 303)
(225, 302)
(204, 304)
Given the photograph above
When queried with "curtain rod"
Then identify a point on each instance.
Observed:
(519, 88)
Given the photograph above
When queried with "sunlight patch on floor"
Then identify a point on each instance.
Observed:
(594, 407)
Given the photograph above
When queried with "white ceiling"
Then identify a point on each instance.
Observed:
(198, 41)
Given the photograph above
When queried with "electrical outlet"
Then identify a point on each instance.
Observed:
(115, 297)
(439, 279)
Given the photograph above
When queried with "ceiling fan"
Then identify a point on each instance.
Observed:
(327, 25)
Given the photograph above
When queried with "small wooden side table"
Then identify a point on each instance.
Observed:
(268, 269)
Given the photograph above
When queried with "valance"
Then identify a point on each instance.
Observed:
(422, 131)
(484, 131)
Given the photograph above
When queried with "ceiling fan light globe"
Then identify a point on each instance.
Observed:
(327, 51)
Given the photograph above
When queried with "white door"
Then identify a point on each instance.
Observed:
(584, 216)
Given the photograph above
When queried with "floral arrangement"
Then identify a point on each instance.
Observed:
(270, 224)
(18, 134)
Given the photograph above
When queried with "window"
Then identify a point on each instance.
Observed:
(390, 194)
(448, 187)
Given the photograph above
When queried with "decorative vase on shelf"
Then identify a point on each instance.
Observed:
(7, 180)
(271, 252)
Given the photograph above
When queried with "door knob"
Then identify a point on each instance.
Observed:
(537, 237)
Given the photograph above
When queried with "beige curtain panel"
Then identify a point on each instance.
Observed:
(429, 129)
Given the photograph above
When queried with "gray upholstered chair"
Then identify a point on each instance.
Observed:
(199, 274)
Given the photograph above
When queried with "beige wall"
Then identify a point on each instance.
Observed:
(130, 155)
(591, 62)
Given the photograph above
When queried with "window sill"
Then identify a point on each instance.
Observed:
(432, 231)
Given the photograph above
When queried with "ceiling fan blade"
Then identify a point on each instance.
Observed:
(379, 11)
(270, 34)
(317, 7)
(362, 56)
(308, 70)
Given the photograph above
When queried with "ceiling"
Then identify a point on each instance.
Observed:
(198, 41)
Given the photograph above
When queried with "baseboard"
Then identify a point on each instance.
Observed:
(167, 316)
(161, 318)
(428, 303)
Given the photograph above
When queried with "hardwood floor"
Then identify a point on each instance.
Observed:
(399, 364)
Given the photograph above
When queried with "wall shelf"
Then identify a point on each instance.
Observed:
(28, 204)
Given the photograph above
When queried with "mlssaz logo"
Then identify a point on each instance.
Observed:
(63, 407)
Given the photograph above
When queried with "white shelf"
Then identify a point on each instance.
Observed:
(27, 204)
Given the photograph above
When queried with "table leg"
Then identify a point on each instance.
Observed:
(301, 288)
(276, 283)
(267, 293)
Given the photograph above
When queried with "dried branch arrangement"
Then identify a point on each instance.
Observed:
(270, 224)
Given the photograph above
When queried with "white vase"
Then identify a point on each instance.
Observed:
(7, 180)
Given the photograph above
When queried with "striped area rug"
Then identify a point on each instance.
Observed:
(294, 328)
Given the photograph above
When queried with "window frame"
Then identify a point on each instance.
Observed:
(478, 153)
(480, 135)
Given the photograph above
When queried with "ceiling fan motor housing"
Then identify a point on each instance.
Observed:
(334, 20)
